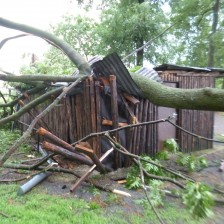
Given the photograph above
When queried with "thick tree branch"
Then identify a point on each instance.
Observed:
(10, 38)
(75, 57)
(37, 78)
(30, 105)
(197, 99)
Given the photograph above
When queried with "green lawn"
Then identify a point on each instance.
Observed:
(40, 208)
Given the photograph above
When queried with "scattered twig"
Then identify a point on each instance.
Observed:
(195, 135)
(4, 215)
(13, 180)
(135, 159)
(147, 43)
(121, 128)
(146, 193)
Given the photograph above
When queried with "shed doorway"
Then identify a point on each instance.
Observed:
(166, 130)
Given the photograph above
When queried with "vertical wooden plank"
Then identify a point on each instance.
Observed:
(143, 129)
(78, 115)
(138, 143)
(114, 113)
(98, 117)
(93, 111)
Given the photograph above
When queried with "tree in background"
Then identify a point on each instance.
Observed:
(123, 26)
(198, 32)
(126, 25)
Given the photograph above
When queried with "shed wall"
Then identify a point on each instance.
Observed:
(195, 121)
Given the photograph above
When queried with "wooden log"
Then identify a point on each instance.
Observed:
(75, 186)
(144, 130)
(92, 155)
(114, 113)
(62, 151)
(73, 112)
(70, 122)
(98, 117)
(55, 139)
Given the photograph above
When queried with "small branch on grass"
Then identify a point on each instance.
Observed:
(146, 193)
(60, 170)
(4, 215)
(135, 159)
(26, 135)
(13, 180)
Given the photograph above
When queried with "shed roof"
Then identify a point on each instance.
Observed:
(164, 67)
(112, 65)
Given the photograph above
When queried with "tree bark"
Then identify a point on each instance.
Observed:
(197, 99)
(211, 49)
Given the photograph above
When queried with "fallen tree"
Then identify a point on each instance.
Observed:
(200, 99)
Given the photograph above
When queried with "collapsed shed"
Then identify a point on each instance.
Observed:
(111, 99)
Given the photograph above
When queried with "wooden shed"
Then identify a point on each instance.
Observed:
(195, 121)
(111, 99)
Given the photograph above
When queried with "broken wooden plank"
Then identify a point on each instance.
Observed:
(92, 155)
(130, 98)
(75, 186)
(110, 123)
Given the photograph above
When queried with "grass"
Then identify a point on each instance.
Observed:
(37, 207)
(8, 138)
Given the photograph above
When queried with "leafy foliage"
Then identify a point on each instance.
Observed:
(191, 162)
(198, 199)
(133, 177)
(171, 145)
(155, 195)
(138, 23)
(195, 31)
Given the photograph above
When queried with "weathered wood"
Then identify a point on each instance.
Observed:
(55, 139)
(114, 113)
(78, 116)
(92, 155)
(92, 110)
(98, 117)
(131, 99)
(87, 108)
(75, 186)
(110, 123)
(62, 151)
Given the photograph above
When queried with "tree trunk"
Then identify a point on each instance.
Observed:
(211, 49)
